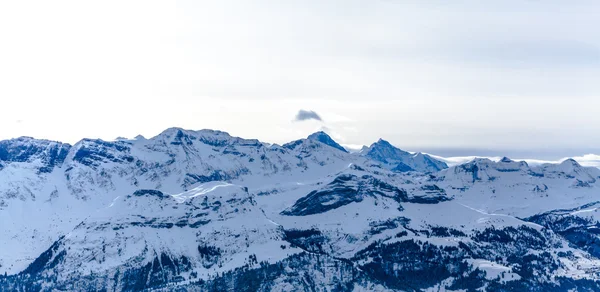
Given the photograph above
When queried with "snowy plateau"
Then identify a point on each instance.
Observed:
(205, 211)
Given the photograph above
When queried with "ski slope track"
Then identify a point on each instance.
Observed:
(205, 211)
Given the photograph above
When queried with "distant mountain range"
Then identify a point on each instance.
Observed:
(205, 211)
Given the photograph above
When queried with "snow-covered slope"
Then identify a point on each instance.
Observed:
(205, 211)
(64, 184)
(516, 188)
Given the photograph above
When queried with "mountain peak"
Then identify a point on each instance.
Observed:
(400, 160)
(569, 165)
(179, 136)
(481, 160)
(317, 135)
(384, 149)
(322, 137)
(384, 146)
(382, 142)
(175, 131)
(570, 161)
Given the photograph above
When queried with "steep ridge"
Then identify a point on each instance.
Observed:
(47, 154)
(205, 211)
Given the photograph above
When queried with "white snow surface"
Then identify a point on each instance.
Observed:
(230, 192)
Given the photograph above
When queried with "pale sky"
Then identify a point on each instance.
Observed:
(447, 77)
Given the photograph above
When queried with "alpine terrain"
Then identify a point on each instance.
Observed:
(205, 211)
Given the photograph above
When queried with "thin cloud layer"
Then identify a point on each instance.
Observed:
(304, 115)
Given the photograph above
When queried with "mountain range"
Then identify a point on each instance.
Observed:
(205, 211)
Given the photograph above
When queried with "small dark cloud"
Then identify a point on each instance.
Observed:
(304, 115)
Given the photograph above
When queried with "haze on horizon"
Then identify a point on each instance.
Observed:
(514, 78)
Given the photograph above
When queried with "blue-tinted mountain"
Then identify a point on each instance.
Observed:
(401, 161)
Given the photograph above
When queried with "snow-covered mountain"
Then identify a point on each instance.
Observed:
(205, 211)
(401, 161)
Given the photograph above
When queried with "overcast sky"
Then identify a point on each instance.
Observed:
(471, 77)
